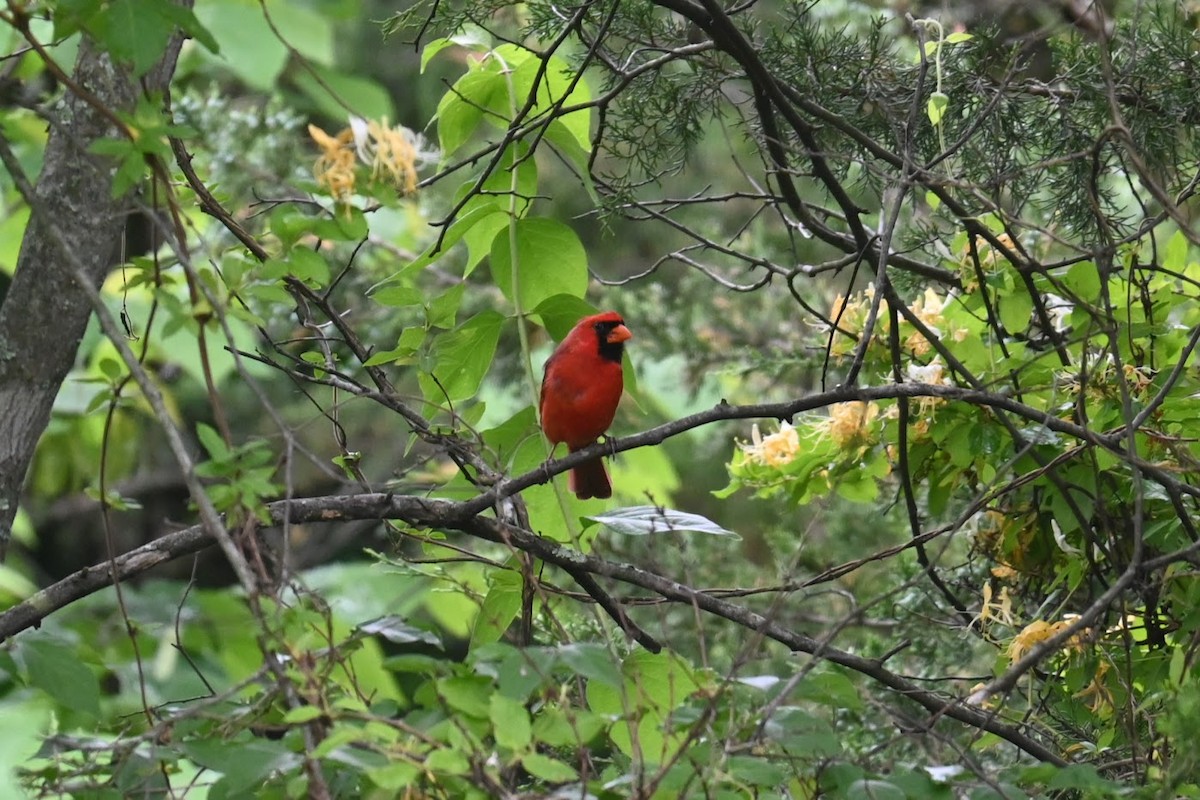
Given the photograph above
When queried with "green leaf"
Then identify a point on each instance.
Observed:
(14, 584)
(591, 661)
(212, 441)
(756, 771)
(865, 789)
(395, 776)
(499, 607)
(937, 107)
(555, 87)
(56, 669)
(1083, 279)
(448, 761)
(548, 769)
(958, 37)
(308, 265)
(337, 94)
(134, 31)
(189, 23)
(456, 231)
(442, 311)
(398, 296)
(1015, 309)
(803, 735)
(560, 312)
(644, 520)
(469, 694)
(26, 720)
(346, 225)
(1175, 255)
(510, 723)
(462, 357)
(301, 714)
(432, 49)
(244, 763)
(831, 689)
(461, 109)
(550, 260)
(252, 51)
(1175, 671)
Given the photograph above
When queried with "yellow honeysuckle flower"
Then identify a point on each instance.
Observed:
(775, 449)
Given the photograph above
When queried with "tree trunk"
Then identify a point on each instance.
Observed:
(45, 312)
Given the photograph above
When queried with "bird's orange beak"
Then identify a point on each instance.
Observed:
(619, 334)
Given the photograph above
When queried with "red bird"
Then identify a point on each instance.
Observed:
(580, 392)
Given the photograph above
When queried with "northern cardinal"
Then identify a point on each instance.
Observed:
(580, 392)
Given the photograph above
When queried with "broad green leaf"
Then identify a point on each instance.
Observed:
(557, 728)
(559, 313)
(802, 734)
(756, 771)
(398, 296)
(301, 714)
(548, 769)
(866, 789)
(1175, 256)
(448, 761)
(432, 49)
(14, 584)
(643, 520)
(937, 107)
(462, 357)
(461, 109)
(510, 723)
(440, 247)
(134, 31)
(55, 668)
(309, 266)
(338, 94)
(26, 720)
(467, 693)
(395, 776)
(346, 225)
(245, 762)
(580, 156)
(591, 661)
(1015, 309)
(250, 50)
(442, 311)
(550, 260)
(405, 351)
(831, 689)
(556, 87)
(644, 471)
(212, 441)
(1083, 279)
(499, 608)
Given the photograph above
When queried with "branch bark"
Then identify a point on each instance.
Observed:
(45, 313)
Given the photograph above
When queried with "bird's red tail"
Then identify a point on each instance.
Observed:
(590, 479)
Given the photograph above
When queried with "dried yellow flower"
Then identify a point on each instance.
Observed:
(335, 167)
(775, 449)
(1101, 697)
(998, 610)
(1031, 635)
(392, 153)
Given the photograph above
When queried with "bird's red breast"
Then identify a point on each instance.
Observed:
(580, 392)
